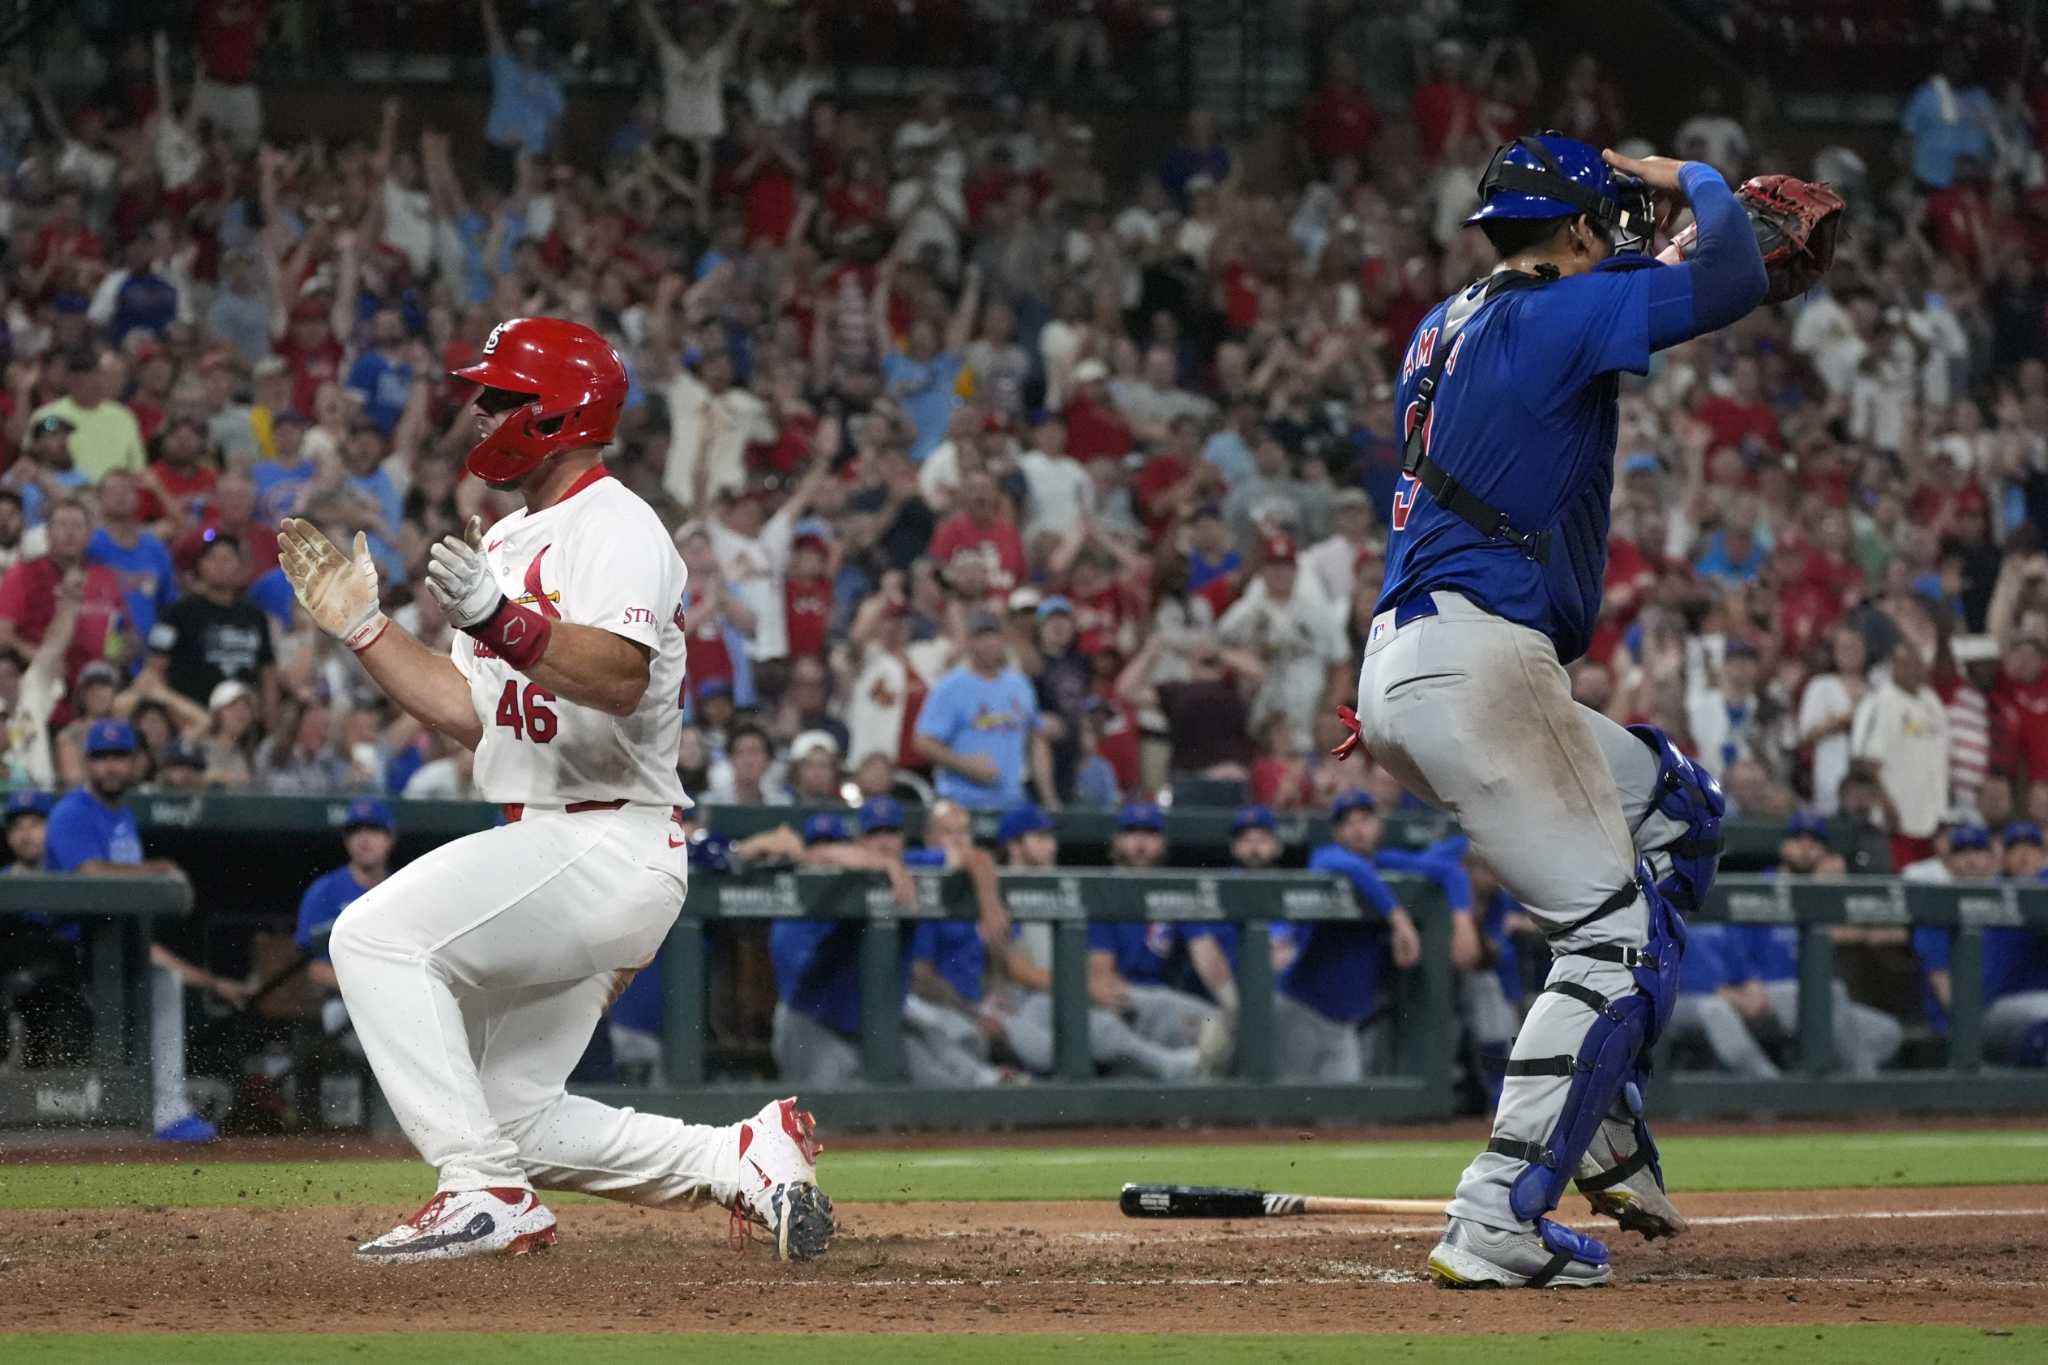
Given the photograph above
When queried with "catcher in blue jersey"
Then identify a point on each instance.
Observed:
(1495, 559)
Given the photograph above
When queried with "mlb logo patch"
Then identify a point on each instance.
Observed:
(1381, 627)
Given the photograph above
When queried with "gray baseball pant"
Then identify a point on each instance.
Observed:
(1707, 1016)
(943, 1047)
(810, 1055)
(1308, 1045)
(1027, 1024)
(1865, 1038)
(1168, 1017)
(1474, 714)
(2007, 1021)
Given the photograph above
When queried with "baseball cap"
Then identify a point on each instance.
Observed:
(1089, 371)
(1024, 599)
(291, 417)
(880, 813)
(109, 737)
(1738, 648)
(982, 621)
(824, 829)
(227, 692)
(1643, 462)
(99, 671)
(1280, 549)
(179, 754)
(1806, 823)
(1358, 798)
(810, 741)
(1252, 817)
(366, 812)
(2023, 832)
(1141, 815)
(1019, 821)
(1964, 837)
(713, 687)
(45, 425)
(1351, 498)
(1054, 606)
(29, 803)
(816, 530)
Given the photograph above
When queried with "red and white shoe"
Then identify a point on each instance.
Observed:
(779, 1183)
(496, 1222)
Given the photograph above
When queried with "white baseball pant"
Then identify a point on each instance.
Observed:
(475, 977)
(1474, 714)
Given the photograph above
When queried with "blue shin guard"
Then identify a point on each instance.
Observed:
(1609, 1062)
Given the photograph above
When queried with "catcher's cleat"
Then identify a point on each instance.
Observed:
(1474, 1256)
(778, 1180)
(510, 1222)
(1619, 1180)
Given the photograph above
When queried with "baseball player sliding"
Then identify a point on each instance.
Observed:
(1496, 556)
(476, 974)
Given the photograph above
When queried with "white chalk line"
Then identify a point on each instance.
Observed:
(1353, 1227)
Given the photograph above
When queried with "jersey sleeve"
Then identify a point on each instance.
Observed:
(71, 840)
(1365, 882)
(1933, 947)
(621, 579)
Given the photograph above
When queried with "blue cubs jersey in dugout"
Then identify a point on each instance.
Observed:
(817, 970)
(2015, 960)
(1338, 966)
(322, 904)
(1712, 960)
(1524, 416)
(955, 952)
(82, 830)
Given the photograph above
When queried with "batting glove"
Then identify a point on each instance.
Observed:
(460, 579)
(338, 591)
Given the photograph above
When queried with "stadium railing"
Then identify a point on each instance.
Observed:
(118, 914)
(1964, 1081)
(1422, 1006)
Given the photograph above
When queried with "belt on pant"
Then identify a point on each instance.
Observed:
(516, 810)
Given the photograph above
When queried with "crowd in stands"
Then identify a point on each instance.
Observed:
(1016, 457)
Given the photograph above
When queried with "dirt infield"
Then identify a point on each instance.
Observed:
(1973, 1256)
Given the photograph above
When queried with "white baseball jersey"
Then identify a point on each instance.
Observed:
(599, 557)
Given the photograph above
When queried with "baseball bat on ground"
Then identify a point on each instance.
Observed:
(1217, 1201)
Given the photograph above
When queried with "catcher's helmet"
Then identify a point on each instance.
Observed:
(1554, 176)
(575, 383)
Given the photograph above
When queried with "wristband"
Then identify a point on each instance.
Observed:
(518, 635)
(367, 631)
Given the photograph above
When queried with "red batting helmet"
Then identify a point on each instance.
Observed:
(577, 385)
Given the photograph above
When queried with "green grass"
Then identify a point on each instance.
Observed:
(1386, 1169)
(1857, 1345)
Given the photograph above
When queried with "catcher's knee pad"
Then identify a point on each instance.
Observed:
(1688, 794)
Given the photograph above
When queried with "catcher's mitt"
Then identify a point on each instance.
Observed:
(1797, 223)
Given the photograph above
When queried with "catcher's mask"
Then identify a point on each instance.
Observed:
(563, 383)
(1553, 176)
